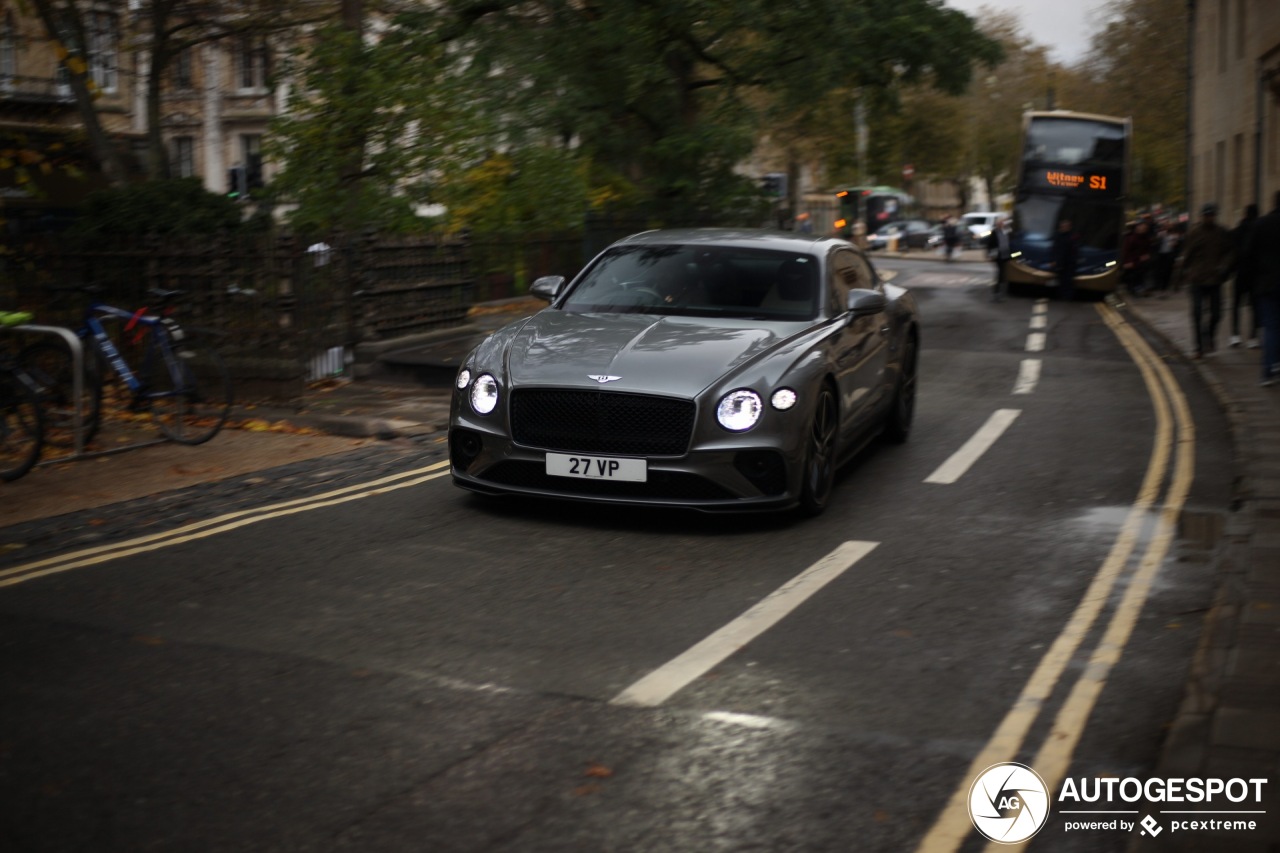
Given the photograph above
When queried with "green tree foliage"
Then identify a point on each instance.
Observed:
(1137, 66)
(656, 101)
(179, 207)
(369, 124)
(995, 103)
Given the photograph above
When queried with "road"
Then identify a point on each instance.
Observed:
(404, 666)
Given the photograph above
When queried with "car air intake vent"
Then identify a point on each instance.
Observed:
(584, 421)
(661, 486)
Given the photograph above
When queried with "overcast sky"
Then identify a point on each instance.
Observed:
(1063, 26)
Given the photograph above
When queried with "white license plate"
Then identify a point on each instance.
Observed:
(597, 467)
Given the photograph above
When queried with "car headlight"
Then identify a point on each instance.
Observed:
(739, 410)
(783, 399)
(464, 379)
(484, 394)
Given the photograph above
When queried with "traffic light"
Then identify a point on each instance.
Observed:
(237, 182)
(774, 184)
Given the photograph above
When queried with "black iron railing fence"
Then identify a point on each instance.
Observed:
(280, 306)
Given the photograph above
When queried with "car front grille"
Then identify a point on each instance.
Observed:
(586, 421)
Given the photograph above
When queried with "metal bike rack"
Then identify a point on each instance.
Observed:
(77, 378)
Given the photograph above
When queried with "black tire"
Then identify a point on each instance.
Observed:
(49, 365)
(21, 427)
(188, 390)
(819, 474)
(897, 425)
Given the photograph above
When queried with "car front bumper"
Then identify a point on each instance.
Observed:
(750, 477)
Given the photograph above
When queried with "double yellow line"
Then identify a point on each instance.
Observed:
(221, 524)
(1174, 440)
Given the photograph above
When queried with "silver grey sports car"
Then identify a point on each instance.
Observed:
(713, 369)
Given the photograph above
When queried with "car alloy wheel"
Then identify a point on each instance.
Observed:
(820, 454)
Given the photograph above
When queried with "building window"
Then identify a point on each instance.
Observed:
(182, 152)
(103, 58)
(1237, 171)
(251, 157)
(1273, 134)
(1240, 29)
(8, 57)
(8, 53)
(183, 71)
(1219, 172)
(251, 63)
(1224, 15)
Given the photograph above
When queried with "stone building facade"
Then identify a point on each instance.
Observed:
(1234, 141)
(216, 104)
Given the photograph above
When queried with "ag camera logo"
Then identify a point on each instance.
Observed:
(1008, 803)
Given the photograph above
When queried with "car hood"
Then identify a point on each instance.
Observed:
(672, 355)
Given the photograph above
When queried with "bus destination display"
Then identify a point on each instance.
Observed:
(1099, 182)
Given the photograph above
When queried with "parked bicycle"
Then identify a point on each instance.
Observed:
(182, 383)
(21, 421)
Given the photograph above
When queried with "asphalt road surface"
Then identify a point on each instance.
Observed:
(405, 666)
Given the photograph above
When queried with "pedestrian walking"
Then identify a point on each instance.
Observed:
(1263, 255)
(999, 252)
(950, 236)
(1135, 258)
(1064, 256)
(1204, 266)
(1169, 247)
(1242, 286)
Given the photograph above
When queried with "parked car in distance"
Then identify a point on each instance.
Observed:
(977, 226)
(714, 369)
(910, 234)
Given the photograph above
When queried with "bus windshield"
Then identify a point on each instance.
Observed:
(1075, 142)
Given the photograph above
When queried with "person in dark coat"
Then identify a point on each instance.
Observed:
(1135, 258)
(1242, 288)
(1205, 265)
(1064, 258)
(1169, 247)
(999, 252)
(950, 236)
(1263, 254)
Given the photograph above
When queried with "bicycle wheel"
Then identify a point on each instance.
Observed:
(21, 428)
(188, 389)
(49, 364)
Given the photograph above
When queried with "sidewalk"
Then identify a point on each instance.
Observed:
(1229, 722)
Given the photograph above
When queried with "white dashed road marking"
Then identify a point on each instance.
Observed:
(664, 682)
(960, 462)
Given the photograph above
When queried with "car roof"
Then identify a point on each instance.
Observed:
(742, 238)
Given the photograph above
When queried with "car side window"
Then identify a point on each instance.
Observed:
(844, 277)
(865, 275)
(849, 271)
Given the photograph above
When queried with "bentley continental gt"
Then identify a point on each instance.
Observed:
(713, 369)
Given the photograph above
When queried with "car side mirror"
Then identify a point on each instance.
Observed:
(866, 302)
(547, 287)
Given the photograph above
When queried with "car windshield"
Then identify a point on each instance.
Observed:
(699, 281)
